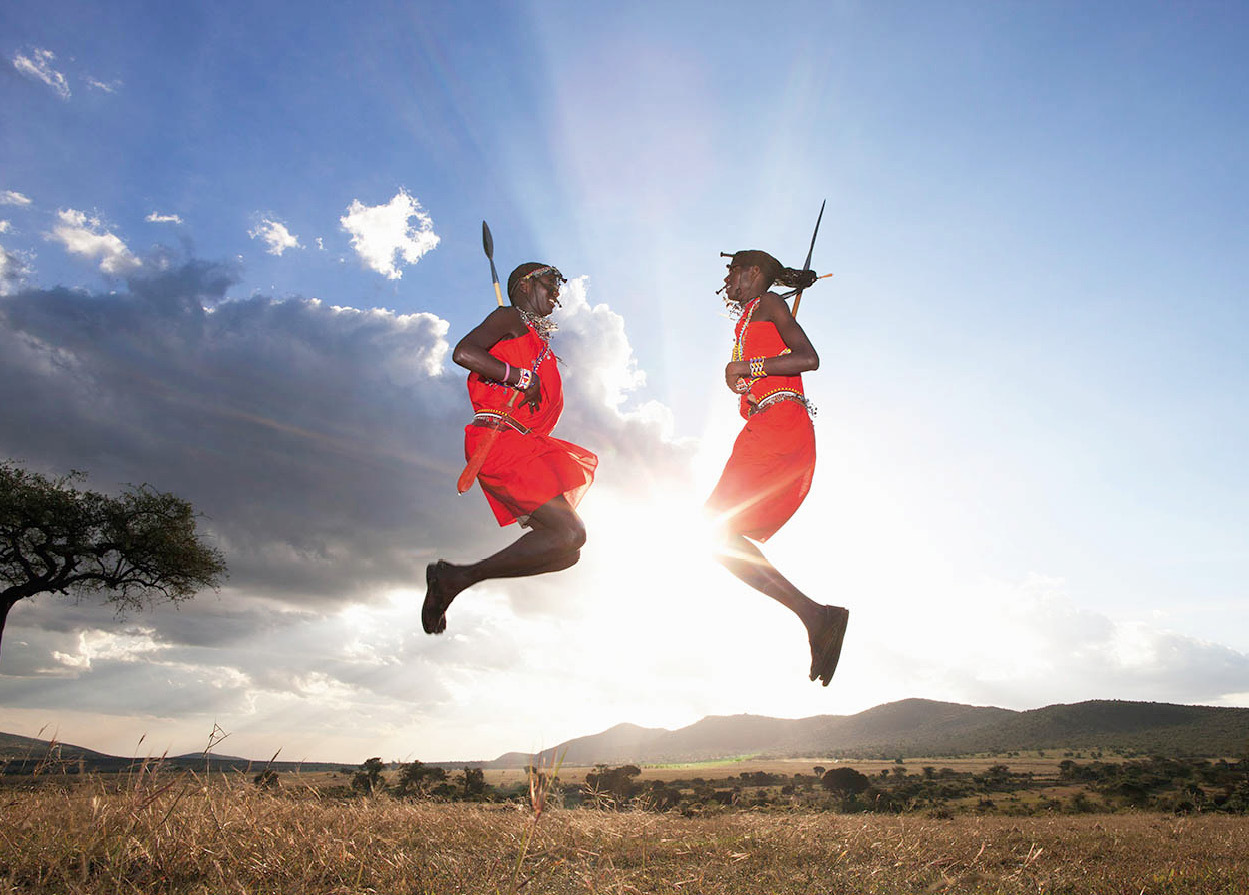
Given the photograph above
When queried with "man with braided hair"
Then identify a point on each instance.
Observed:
(769, 472)
(527, 476)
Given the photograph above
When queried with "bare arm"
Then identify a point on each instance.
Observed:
(802, 357)
(473, 351)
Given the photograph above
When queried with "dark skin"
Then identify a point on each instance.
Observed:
(825, 624)
(557, 532)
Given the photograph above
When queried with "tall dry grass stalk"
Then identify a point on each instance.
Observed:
(194, 834)
(541, 782)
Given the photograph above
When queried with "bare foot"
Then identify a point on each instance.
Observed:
(437, 598)
(825, 638)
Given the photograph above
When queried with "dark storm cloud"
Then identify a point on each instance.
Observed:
(321, 443)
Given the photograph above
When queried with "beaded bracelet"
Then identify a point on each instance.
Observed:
(756, 368)
(507, 372)
(526, 377)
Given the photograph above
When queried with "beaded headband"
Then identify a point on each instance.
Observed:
(559, 277)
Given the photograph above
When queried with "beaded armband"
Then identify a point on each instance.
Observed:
(526, 377)
(756, 368)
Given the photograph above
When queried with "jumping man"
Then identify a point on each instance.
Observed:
(769, 473)
(527, 476)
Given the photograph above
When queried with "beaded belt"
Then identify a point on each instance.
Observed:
(494, 420)
(777, 398)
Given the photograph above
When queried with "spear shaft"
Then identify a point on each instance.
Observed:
(469, 475)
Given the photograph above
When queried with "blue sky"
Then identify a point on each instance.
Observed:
(237, 240)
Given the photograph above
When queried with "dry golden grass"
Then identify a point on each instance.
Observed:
(164, 833)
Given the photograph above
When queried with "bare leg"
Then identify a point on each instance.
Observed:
(553, 544)
(826, 625)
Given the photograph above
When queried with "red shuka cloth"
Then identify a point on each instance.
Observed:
(762, 340)
(769, 473)
(522, 472)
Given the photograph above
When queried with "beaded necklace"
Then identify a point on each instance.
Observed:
(739, 346)
(543, 326)
(546, 349)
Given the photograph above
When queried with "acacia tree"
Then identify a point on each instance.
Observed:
(846, 781)
(137, 548)
(415, 779)
(369, 779)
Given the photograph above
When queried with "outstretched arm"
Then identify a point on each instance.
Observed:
(473, 351)
(802, 357)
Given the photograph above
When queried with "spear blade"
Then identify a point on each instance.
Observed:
(487, 243)
(807, 265)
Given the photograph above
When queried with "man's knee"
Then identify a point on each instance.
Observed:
(574, 536)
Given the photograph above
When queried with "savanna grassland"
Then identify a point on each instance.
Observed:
(161, 832)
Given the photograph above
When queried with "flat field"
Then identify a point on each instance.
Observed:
(165, 833)
(1041, 764)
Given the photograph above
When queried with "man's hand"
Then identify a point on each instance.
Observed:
(737, 375)
(533, 395)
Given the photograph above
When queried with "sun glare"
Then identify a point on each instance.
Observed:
(668, 537)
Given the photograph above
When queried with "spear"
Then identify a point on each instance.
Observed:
(469, 475)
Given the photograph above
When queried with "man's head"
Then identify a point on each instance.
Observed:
(534, 286)
(768, 266)
(751, 273)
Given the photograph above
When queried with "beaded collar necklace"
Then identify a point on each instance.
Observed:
(543, 326)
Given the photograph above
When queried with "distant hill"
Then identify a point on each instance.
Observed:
(24, 755)
(915, 728)
(18, 748)
(911, 728)
(1144, 726)
(619, 741)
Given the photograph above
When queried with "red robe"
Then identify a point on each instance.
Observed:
(769, 472)
(524, 471)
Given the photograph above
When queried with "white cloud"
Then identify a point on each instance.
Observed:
(39, 65)
(131, 645)
(275, 235)
(10, 197)
(5, 226)
(110, 87)
(601, 330)
(157, 218)
(382, 235)
(86, 236)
